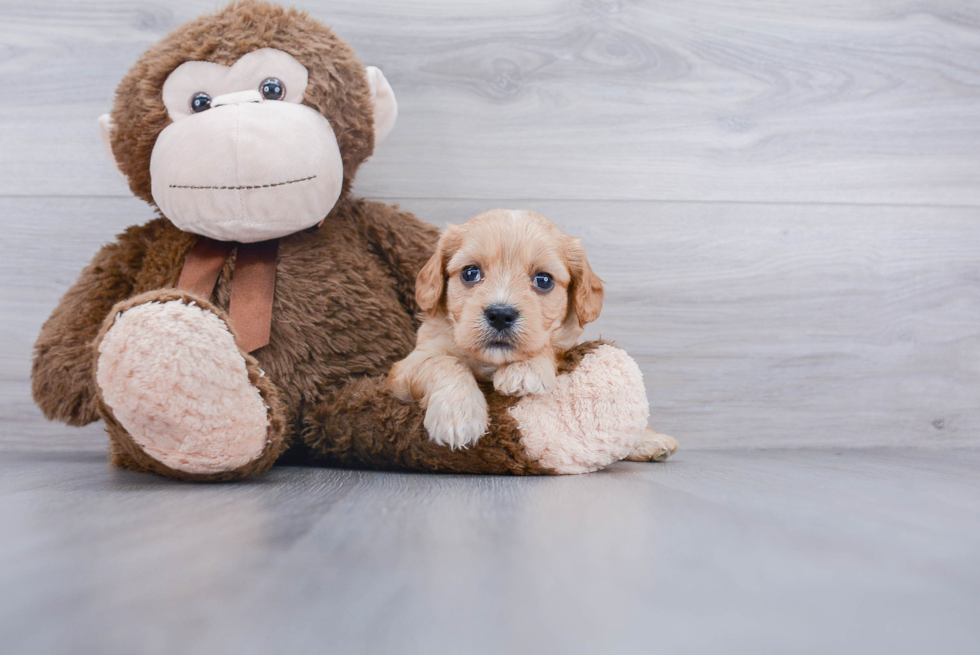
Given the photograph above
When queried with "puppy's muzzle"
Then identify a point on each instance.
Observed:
(501, 317)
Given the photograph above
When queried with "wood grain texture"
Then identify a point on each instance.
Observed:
(771, 100)
(871, 551)
(754, 325)
(782, 199)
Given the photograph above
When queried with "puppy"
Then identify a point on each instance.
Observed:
(503, 294)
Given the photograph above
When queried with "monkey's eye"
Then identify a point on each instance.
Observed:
(200, 102)
(543, 282)
(272, 89)
(471, 274)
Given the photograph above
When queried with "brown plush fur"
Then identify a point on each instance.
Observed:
(344, 308)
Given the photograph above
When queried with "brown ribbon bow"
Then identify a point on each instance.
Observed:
(252, 286)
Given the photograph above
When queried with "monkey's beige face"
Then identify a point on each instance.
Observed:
(507, 286)
(244, 159)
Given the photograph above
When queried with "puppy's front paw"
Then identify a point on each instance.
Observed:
(456, 420)
(523, 378)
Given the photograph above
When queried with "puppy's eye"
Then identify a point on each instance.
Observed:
(471, 274)
(543, 282)
(272, 89)
(200, 102)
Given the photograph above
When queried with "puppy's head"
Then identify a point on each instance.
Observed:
(510, 283)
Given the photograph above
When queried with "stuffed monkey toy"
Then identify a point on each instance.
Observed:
(255, 319)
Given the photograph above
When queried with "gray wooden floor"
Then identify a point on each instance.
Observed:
(755, 551)
(783, 199)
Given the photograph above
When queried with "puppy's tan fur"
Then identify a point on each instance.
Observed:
(452, 351)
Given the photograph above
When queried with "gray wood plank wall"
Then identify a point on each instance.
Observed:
(783, 197)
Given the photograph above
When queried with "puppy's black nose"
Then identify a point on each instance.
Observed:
(501, 317)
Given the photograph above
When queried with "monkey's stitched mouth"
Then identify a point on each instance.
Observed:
(234, 188)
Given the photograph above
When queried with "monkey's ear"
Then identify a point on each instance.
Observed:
(385, 105)
(105, 135)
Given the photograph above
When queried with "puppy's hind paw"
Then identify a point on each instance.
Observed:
(654, 447)
(455, 422)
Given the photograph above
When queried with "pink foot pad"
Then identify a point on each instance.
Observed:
(175, 380)
(595, 416)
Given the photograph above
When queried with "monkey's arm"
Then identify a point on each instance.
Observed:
(363, 425)
(62, 375)
(402, 241)
(597, 418)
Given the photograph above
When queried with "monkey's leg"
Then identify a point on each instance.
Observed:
(178, 396)
(595, 416)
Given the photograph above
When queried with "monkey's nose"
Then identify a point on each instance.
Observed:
(501, 317)
(236, 98)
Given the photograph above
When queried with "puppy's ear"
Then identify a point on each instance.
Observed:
(431, 281)
(585, 292)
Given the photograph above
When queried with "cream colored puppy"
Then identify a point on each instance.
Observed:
(503, 294)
